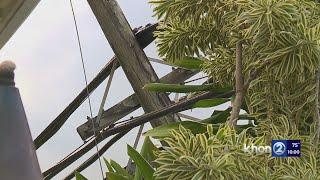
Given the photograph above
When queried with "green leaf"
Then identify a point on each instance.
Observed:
(141, 163)
(79, 176)
(210, 102)
(192, 63)
(199, 175)
(164, 131)
(147, 152)
(108, 165)
(218, 117)
(115, 176)
(118, 169)
(162, 87)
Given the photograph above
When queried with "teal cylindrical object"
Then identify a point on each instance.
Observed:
(18, 159)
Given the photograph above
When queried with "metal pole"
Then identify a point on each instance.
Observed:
(18, 158)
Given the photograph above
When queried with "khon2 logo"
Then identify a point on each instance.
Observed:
(286, 148)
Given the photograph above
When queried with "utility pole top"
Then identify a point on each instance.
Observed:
(7, 73)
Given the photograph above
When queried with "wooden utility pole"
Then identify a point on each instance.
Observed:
(128, 105)
(131, 57)
(144, 37)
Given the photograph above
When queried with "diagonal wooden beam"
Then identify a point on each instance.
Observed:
(96, 156)
(171, 109)
(118, 111)
(152, 116)
(131, 57)
(128, 105)
(144, 37)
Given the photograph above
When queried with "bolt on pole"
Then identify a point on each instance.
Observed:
(18, 159)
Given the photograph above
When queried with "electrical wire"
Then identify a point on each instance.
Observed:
(86, 81)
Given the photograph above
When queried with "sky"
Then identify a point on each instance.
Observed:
(49, 75)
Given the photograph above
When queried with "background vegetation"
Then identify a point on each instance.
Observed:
(268, 51)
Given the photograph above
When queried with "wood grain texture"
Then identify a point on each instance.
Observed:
(131, 57)
(182, 105)
(144, 36)
(128, 105)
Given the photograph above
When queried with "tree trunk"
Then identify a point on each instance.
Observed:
(240, 91)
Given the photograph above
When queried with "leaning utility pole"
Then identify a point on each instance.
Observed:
(18, 159)
(131, 57)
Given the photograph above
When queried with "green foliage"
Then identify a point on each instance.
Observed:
(116, 176)
(79, 176)
(281, 42)
(161, 87)
(148, 151)
(218, 117)
(110, 168)
(119, 170)
(220, 156)
(281, 45)
(210, 102)
(191, 63)
(164, 130)
(141, 163)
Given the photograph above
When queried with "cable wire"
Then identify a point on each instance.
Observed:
(86, 81)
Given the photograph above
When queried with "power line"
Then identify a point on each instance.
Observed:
(86, 81)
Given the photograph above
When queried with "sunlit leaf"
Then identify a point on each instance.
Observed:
(116, 176)
(164, 130)
(141, 163)
(161, 87)
(210, 102)
(79, 176)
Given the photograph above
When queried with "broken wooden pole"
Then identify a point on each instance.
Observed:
(96, 156)
(174, 108)
(18, 159)
(171, 109)
(131, 57)
(144, 37)
(128, 105)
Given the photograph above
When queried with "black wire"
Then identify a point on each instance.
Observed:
(86, 81)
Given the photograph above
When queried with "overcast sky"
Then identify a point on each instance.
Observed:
(49, 74)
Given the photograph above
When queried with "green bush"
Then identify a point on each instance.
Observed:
(220, 155)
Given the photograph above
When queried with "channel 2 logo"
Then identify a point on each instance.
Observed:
(286, 148)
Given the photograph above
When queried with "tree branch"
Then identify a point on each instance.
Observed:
(240, 91)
